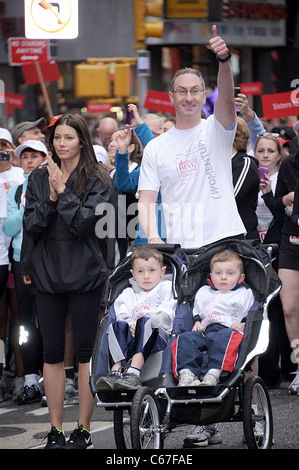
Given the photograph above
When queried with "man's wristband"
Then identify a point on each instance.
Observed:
(226, 59)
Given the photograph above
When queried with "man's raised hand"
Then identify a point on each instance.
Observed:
(218, 45)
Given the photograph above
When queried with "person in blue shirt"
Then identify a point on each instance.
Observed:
(31, 154)
(146, 129)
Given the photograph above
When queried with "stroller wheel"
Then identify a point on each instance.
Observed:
(122, 434)
(145, 420)
(257, 415)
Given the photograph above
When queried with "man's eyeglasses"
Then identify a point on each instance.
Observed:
(184, 92)
(267, 133)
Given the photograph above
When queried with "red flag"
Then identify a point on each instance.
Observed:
(48, 68)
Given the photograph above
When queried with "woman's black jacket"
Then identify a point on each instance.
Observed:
(60, 242)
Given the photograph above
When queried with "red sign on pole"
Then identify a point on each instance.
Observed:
(22, 50)
(279, 105)
(158, 101)
(49, 70)
(251, 88)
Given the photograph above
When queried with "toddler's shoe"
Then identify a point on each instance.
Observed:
(187, 379)
(210, 379)
(107, 383)
(127, 381)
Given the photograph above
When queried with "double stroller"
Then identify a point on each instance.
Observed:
(143, 417)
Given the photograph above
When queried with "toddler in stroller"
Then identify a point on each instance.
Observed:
(219, 314)
(144, 416)
(144, 318)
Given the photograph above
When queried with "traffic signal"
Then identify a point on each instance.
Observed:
(144, 29)
(122, 80)
(92, 80)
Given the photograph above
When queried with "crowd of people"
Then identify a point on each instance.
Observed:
(190, 180)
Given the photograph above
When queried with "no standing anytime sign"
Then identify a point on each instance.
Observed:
(22, 50)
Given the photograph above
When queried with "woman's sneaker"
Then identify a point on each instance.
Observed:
(56, 439)
(80, 438)
(201, 436)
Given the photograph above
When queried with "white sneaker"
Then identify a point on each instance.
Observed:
(201, 436)
(294, 386)
(187, 378)
(210, 379)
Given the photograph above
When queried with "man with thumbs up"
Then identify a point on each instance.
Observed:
(191, 163)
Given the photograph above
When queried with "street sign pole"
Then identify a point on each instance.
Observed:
(44, 89)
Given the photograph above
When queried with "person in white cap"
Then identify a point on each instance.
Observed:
(7, 145)
(101, 154)
(9, 176)
(30, 154)
(5, 139)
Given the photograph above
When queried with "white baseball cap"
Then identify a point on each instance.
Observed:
(5, 135)
(31, 144)
(101, 154)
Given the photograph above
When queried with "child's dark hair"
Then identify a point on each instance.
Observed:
(145, 252)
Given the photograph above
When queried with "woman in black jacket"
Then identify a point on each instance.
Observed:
(287, 185)
(246, 180)
(67, 262)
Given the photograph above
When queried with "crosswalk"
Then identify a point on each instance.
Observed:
(6, 410)
(26, 427)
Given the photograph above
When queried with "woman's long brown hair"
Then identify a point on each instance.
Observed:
(88, 164)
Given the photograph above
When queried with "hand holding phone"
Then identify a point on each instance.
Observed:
(263, 171)
(129, 117)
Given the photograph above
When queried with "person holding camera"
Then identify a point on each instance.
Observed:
(30, 154)
(9, 176)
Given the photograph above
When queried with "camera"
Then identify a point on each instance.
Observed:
(4, 156)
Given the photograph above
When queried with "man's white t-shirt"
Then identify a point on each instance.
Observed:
(12, 177)
(192, 168)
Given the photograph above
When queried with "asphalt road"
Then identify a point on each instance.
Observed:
(25, 427)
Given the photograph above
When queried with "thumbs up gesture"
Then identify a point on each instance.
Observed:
(218, 45)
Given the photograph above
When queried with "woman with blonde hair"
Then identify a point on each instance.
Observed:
(245, 179)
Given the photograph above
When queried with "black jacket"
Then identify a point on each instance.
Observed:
(246, 182)
(65, 252)
(288, 176)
